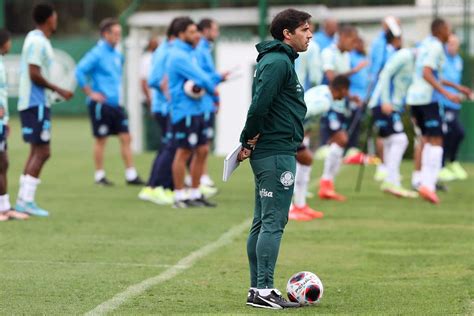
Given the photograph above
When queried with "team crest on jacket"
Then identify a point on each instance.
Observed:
(287, 178)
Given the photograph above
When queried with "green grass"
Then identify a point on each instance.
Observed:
(375, 254)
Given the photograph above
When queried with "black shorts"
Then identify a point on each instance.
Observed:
(190, 132)
(333, 122)
(3, 138)
(209, 122)
(107, 120)
(428, 118)
(387, 124)
(36, 125)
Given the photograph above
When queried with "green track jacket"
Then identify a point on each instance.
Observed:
(278, 109)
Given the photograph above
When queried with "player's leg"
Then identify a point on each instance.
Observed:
(353, 139)
(458, 137)
(206, 180)
(6, 211)
(36, 127)
(449, 139)
(432, 154)
(381, 171)
(252, 245)
(119, 125)
(275, 176)
(419, 141)
(98, 154)
(131, 174)
(338, 141)
(300, 211)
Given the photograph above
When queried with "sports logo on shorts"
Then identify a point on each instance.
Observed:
(210, 132)
(192, 139)
(287, 178)
(45, 135)
(103, 130)
(3, 146)
(398, 126)
(334, 124)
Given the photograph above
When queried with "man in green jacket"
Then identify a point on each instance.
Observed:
(272, 133)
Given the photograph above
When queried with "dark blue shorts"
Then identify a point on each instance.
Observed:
(428, 118)
(209, 122)
(333, 122)
(36, 125)
(190, 132)
(164, 122)
(387, 124)
(107, 120)
(3, 138)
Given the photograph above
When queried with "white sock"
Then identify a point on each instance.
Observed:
(206, 180)
(252, 289)
(188, 181)
(30, 185)
(180, 195)
(131, 174)
(21, 185)
(194, 194)
(416, 178)
(332, 161)
(265, 292)
(5, 203)
(393, 155)
(431, 162)
(301, 184)
(99, 175)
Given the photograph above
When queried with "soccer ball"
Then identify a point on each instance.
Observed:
(305, 288)
(192, 90)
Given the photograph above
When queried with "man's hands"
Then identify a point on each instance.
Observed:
(386, 108)
(453, 97)
(97, 97)
(66, 94)
(359, 66)
(245, 152)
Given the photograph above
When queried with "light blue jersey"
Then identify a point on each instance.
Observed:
(3, 92)
(430, 53)
(206, 62)
(308, 66)
(359, 80)
(159, 102)
(37, 50)
(183, 65)
(394, 80)
(323, 40)
(452, 72)
(102, 67)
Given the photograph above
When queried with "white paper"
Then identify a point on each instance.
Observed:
(231, 163)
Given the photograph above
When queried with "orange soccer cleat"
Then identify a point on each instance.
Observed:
(428, 195)
(327, 192)
(295, 214)
(309, 211)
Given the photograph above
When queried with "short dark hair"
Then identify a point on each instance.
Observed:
(107, 23)
(289, 19)
(205, 24)
(437, 24)
(347, 29)
(340, 82)
(182, 24)
(42, 12)
(171, 30)
(4, 36)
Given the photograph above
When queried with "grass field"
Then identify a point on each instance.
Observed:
(375, 254)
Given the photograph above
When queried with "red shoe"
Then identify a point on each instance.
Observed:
(428, 195)
(296, 215)
(326, 191)
(355, 159)
(310, 212)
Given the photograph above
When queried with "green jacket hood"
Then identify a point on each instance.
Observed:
(266, 47)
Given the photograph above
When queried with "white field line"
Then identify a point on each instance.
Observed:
(91, 263)
(182, 265)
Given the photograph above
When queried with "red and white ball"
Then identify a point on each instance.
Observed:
(305, 288)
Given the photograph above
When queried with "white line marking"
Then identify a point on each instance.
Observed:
(182, 265)
(92, 263)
